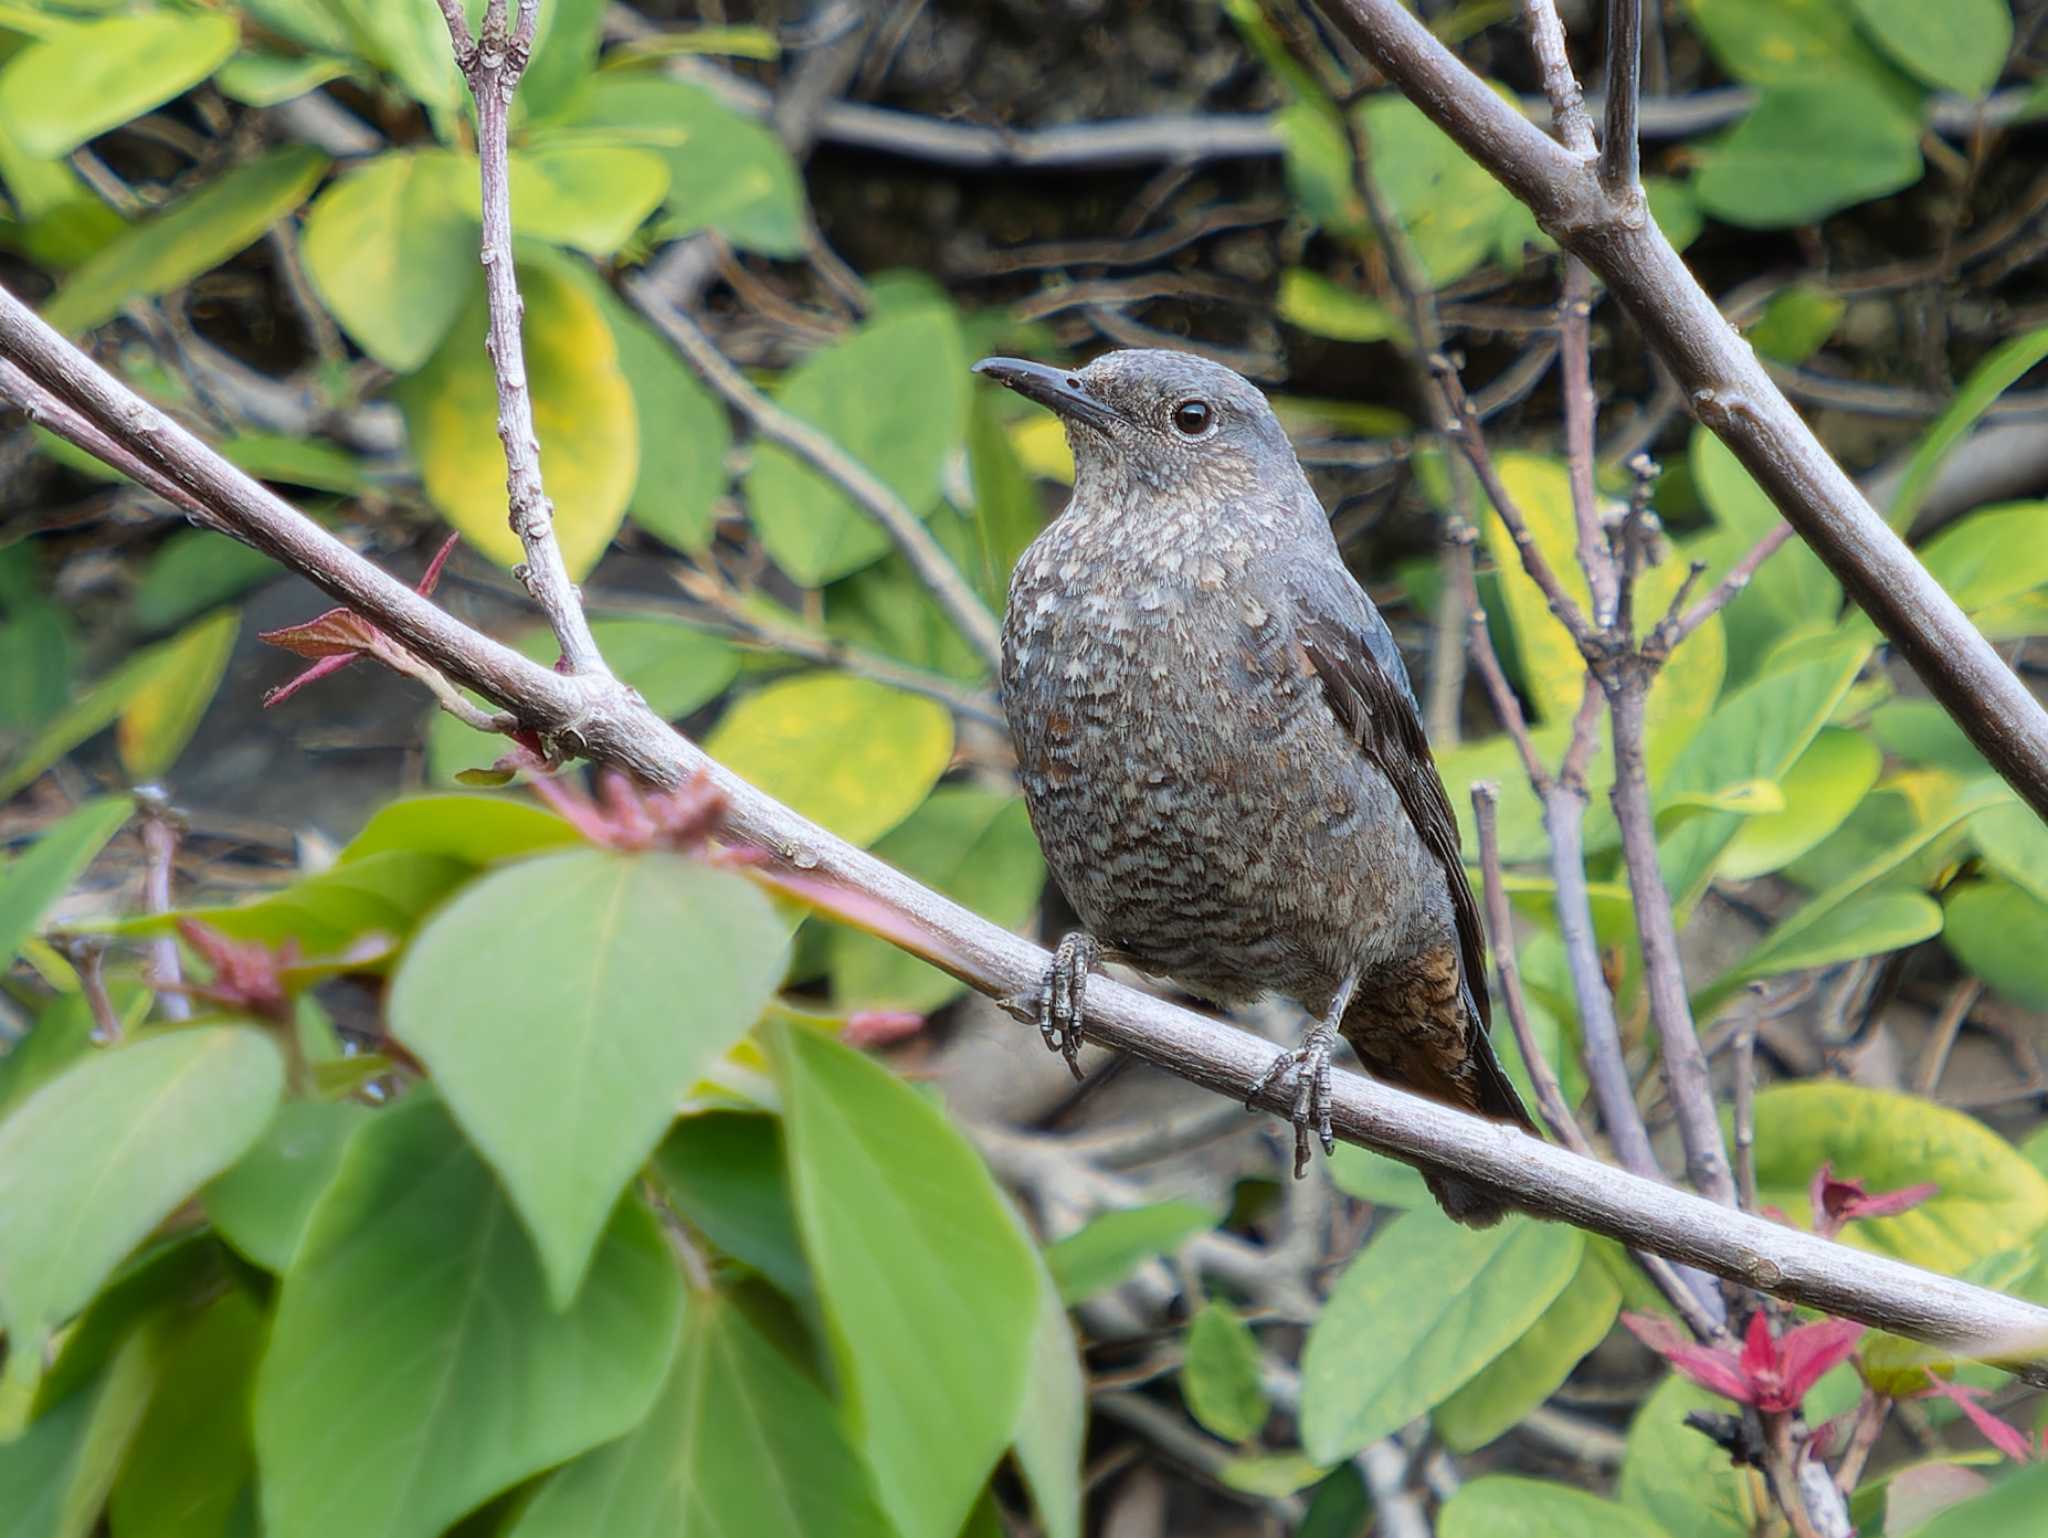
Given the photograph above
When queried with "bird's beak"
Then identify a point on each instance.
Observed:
(1058, 390)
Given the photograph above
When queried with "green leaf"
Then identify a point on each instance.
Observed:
(1680, 1478)
(972, 845)
(894, 396)
(1535, 1366)
(259, 79)
(392, 249)
(1806, 152)
(564, 1005)
(1994, 929)
(1789, 591)
(726, 172)
(741, 1441)
(96, 1158)
(32, 884)
(192, 571)
(411, 42)
(77, 83)
(917, 1260)
(684, 436)
(165, 709)
(1999, 372)
(588, 196)
(1314, 304)
(1449, 205)
(1373, 1177)
(1675, 209)
(295, 462)
(564, 53)
(480, 830)
(582, 412)
(1794, 43)
(1823, 786)
(1507, 1506)
(1113, 1244)
(723, 1171)
(1008, 513)
(1994, 554)
(192, 1463)
(2013, 841)
(854, 755)
(2010, 1509)
(1052, 1422)
(1417, 1315)
(379, 894)
(193, 235)
(54, 1478)
(1990, 1198)
(1220, 1375)
(261, 1204)
(1271, 1475)
(1959, 46)
(416, 1367)
(1797, 322)
(1921, 732)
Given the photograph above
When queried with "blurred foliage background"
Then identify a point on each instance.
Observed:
(264, 216)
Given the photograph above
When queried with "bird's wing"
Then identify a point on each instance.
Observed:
(1354, 658)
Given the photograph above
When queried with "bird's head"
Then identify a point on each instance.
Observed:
(1151, 420)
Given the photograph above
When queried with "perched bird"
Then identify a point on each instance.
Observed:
(1222, 755)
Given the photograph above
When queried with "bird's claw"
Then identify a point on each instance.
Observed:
(1309, 1063)
(1062, 996)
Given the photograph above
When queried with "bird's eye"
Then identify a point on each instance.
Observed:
(1192, 418)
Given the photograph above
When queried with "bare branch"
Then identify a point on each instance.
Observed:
(1575, 363)
(931, 563)
(1676, 626)
(605, 720)
(492, 66)
(1620, 154)
(1567, 102)
(159, 850)
(1728, 389)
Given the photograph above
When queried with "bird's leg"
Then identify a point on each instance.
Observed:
(1310, 1065)
(1061, 995)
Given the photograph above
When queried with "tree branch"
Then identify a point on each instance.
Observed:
(1620, 155)
(1728, 389)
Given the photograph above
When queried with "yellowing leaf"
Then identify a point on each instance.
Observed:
(79, 82)
(1041, 444)
(165, 711)
(853, 755)
(582, 411)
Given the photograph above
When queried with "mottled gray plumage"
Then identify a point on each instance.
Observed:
(1220, 750)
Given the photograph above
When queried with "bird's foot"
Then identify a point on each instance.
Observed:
(1062, 994)
(1309, 1063)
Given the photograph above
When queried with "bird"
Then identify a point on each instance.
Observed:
(1222, 756)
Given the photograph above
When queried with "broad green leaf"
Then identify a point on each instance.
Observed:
(582, 412)
(1314, 304)
(411, 42)
(1995, 930)
(1220, 1375)
(31, 884)
(2013, 841)
(481, 830)
(1450, 207)
(724, 1172)
(1794, 43)
(564, 1006)
(1990, 1198)
(296, 462)
(894, 396)
(564, 52)
(312, 24)
(97, 1157)
(1796, 323)
(1675, 208)
(164, 712)
(1818, 932)
(917, 1259)
(1789, 591)
(1052, 1421)
(1113, 1244)
(1806, 152)
(1994, 554)
(192, 1462)
(259, 79)
(1921, 732)
(260, 1204)
(392, 247)
(1680, 1478)
(378, 895)
(726, 172)
(54, 1478)
(1535, 1366)
(684, 436)
(972, 845)
(1999, 372)
(1373, 1177)
(1957, 46)
(1271, 1475)
(416, 1366)
(1820, 790)
(741, 1441)
(1417, 1315)
(851, 754)
(192, 571)
(1008, 513)
(193, 235)
(1508, 1506)
(1318, 164)
(78, 82)
(2010, 1509)
(59, 1037)
(588, 196)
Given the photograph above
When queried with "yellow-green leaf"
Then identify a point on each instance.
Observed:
(854, 755)
(163, 714)
(78, 82)
(582, 411)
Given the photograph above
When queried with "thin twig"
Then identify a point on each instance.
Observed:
(931, 563)
(1670, 631)
(1620, 155)
(159, 850)
(492, 66)
(1568, 119)
(1941, 1040)
(1870, 1419)
(1575, 366)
